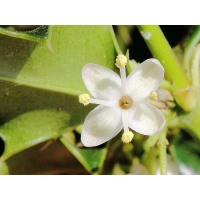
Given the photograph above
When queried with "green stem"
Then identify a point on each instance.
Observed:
(161, 140)
(163, 144)
(112, 149)
(195, 71)
(163, 152)
(162, 51)
(128, 66)
(152, 140)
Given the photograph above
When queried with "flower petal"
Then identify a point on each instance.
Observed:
(101, 82)
(101, 124)
(145, 78)
(146, 119)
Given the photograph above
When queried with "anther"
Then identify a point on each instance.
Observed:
(84, 99)
(121, 61)
(127, 137)
(153, 95)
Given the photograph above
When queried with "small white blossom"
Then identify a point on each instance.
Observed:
(123, 102)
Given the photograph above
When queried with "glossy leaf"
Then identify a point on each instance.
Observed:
(38, 34)
(185, 152)
(32, 128)
(40, 83)
(189, 43)
(3, 168)
(91, 158)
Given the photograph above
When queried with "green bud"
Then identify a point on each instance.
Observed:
(186, 97)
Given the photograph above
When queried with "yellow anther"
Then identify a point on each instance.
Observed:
(121, 61)
(84, 99)
(127, 137)
(153, 96)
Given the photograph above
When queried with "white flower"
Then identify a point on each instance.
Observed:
(123, 101)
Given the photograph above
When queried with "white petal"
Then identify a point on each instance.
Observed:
(145, 78)
(101, 82)
(146, 119)
(101, 124)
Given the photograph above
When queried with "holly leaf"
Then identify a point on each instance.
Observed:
(185, 152)
(38, 34)
(40, 83)
(91, 158)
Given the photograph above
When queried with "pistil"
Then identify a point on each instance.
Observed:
(125, 102)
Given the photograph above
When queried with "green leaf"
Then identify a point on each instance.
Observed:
(17, 100)
(40, 83)
(3, 168)
(185, 152)
(191, 59)
(189, 43)
(39, 34)
(91, 158)
(32, 128)
(58, 68)
(190, 121)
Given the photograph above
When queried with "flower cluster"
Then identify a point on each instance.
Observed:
(123, 101)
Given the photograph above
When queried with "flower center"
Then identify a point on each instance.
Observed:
(125, 102)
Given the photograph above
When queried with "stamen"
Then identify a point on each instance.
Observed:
(127, 137)
(123, 81)
(125, 120)
(104, 102)
(121, 61)
(84, 99)
(125, 102)
(153, 96)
